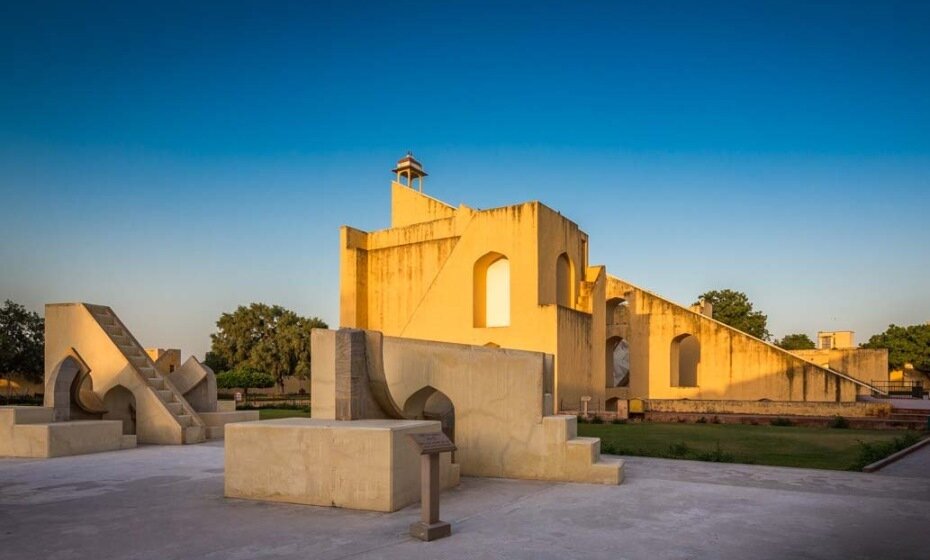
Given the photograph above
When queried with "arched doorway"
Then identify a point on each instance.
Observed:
(564, 281)
(617, 360)
(431, 404)
(121, 405)
(491, 297)
(684, 357)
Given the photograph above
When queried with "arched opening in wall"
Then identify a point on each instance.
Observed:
(617, 362)
(431, 404)
(492, 345)
(610, 405)
(685, 357)
(617, 311)
(564, 281)
(121, 405)
(491, 299)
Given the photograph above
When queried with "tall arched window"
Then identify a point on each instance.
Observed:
(492, 291)
(564, 281)
(685, 355)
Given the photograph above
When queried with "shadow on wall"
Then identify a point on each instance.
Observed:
(121, 405)
(431, 404)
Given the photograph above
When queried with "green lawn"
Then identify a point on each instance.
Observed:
(820, 448)
(275, 413)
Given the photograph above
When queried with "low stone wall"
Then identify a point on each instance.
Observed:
(771, 408)
(861, 423)
(28, 431)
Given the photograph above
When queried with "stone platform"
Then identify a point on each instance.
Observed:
(357, 464)
(28, 431)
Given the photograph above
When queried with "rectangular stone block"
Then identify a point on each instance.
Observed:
(358, 464)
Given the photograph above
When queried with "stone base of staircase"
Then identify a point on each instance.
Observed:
(216, 421)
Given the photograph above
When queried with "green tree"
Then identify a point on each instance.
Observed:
(734, 308)
(244, 378)
(22, 344)
(267, 338)
(905, 345)
(215, 362)
(797, 341)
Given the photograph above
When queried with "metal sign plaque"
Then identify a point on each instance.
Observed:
(432, 442)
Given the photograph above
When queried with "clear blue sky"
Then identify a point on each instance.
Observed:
(177, 160)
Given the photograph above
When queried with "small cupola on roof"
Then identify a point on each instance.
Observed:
(408, 170)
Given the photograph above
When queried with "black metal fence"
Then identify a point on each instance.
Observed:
(269, 401)
(901, 389)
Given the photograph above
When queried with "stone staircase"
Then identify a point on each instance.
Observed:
(193, 428)
(581, 459)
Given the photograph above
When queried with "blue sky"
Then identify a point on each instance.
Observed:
(175, 161)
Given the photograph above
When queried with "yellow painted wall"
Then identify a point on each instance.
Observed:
(416, 280)
(733, 365)
(865, 364)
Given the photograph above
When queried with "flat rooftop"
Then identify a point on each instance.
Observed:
(163, 502)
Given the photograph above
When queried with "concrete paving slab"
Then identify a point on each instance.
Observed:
(915, 464)
(167, 502)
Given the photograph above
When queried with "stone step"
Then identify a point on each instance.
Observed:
(175, 408)
(587, 449)
(128, 441)
(560, 428)
(185, 420)
(194, 434)
(157, 383)
(215, 432)
(165, 395)
(608, 470)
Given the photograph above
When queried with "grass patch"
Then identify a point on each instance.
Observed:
(876, 451)
(269, 413)
(817, 448)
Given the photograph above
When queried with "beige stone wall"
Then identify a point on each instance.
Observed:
(864, 364)
(732, 366)
(417, 280)
(401, 281)
(773, 408)
(501, 424)
(71, 325)
(167, 360)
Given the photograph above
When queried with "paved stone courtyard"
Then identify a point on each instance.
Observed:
(167, 502)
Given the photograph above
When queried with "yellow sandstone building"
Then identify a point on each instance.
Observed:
(519, 277)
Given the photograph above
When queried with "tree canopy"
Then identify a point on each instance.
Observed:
(734, 308)
(906, 345)
(266, 338)
(797, 341)
(22, 343)
(244, 378)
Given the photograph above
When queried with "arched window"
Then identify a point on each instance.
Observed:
(617, 362)
(431, 404)
(492, 291)
(685, 356)
(564, 281)
(617, 311)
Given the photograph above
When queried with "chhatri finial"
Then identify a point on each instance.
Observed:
(411, 170)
